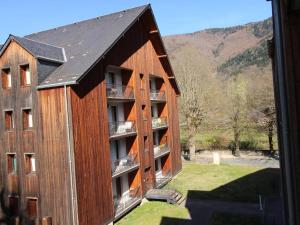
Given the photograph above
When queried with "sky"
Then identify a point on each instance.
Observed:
(173, 16)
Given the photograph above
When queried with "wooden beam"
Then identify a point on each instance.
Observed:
(162, 56)
(153, 32)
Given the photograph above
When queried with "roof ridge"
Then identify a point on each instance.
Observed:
(40, 42)
(86, 20)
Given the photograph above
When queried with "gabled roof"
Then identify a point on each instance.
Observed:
(85, 43)
(79, 46)
(37, 49)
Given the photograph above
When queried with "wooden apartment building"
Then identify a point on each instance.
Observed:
(89, 118)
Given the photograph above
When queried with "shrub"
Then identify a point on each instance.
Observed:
(250, 144)
(216, 142)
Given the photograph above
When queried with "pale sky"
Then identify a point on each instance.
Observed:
(173, 16)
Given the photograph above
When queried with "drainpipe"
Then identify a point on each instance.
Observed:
(73, 198)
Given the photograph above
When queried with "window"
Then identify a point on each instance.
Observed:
(32, 208)
(9, 120)
(30, 163)
(13, 203)
(6, 78)
(27, 119)
(25, 75)
(11, 163)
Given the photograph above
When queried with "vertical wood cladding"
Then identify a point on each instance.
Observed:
(138, 52)
(91, 150)
(17, 140)
(54, 179)
(71, 124)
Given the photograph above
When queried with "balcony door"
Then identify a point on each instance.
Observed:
(117, 150)
(154, 111)
(152, 84)
(115, 112)
(158, 168)
(121, 188)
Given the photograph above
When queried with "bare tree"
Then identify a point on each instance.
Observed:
(237, 110)
(192, 99)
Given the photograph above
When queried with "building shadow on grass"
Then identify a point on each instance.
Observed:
(240, 198)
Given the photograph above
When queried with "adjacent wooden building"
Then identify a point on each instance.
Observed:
(89, 118)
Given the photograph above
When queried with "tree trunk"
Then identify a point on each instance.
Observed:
(236, 151)
(270, 136)
(192, 149)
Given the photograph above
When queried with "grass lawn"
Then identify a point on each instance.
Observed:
(226, 182)
(231, 219)
(151, 213)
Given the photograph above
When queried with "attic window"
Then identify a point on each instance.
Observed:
(30, 163)
(27, 119)
(6, 78)
(9, 119)
(25, 75)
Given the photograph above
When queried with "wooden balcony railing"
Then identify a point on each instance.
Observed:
(124, 164)
(127, 202)
(159, 122)
(121, 128)
(119, 92)
(164, 179)
(157, 95)
(161, 150)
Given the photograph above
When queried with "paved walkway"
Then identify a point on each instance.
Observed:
(263, 162)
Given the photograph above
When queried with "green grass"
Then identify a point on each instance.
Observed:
(203, 139)
(232, 219)
(225, 182)
(151, 213)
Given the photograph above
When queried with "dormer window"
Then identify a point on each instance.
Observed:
(6, 78)
(25, 75)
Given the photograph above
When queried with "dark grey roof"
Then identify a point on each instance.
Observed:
(85, 43)
(37, 49)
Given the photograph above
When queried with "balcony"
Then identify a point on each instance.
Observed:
(161, 150)
(124, 204)
(163, 179)
(121, 129)
(159, 123)
(157, 96)
(119, 93)
(124, 165)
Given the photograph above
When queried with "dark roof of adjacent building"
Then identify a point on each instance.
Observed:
(38, 49)
(77, 47)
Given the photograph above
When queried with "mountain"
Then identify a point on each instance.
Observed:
(231, 50)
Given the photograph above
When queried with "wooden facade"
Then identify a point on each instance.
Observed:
(55, 145)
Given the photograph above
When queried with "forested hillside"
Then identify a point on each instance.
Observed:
(226, 80)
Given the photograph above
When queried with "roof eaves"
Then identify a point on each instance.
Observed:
(67, 83)
(164, 48)
(4, 46)
(49, 59)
